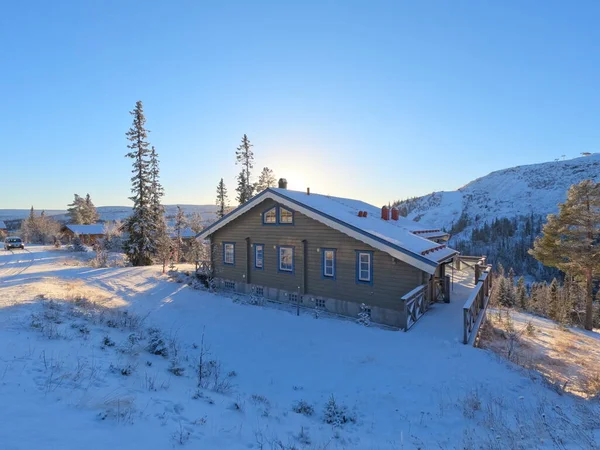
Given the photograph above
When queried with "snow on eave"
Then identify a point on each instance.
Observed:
(97, 228)
(375, 240)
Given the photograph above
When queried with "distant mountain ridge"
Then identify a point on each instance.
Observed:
(534, 189)
(500, 215)
(111, 213)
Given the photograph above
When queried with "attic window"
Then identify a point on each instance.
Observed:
(286, 216)
(270, 216)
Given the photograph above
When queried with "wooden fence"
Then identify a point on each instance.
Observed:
(476, 305)
(416, 302)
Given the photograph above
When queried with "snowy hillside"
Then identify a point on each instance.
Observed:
(110, 213)
(123, 358)
(523, 190)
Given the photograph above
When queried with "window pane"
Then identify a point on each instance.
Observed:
(364, 266)
(285, 216)
(229, 254)
(271, 216)
(259, 256)
(285, 259)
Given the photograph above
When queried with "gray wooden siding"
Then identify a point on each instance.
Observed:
(391, 278)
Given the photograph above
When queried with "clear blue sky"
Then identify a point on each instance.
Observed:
(368, 99)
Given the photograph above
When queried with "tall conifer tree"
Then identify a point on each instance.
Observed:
(140, 244)
(245, 157)
(222, 201)
(571, 239)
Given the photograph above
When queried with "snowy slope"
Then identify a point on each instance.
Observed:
(520, 190)
(62, 363)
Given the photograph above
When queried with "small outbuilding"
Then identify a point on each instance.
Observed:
(88, 234)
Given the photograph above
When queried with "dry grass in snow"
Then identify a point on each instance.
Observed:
(569, 358)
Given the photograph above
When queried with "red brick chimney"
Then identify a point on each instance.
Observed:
(385, 213)
(395, 214)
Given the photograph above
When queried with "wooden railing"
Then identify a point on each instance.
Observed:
(416, 303)
(476, 305)
(204, 267)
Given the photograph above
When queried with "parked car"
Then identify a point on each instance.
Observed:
(13, 242)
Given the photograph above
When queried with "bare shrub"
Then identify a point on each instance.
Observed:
(303, 407)
(176, 368)
(107, 342)
(471, 404)
(122, 410)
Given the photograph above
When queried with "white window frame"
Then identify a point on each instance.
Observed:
(369, 263)
(226, 253)
(332, 267)
(262, 256)
(280, 259)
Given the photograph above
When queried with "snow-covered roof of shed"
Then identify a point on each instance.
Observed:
(396, 238)
(2, 225)
(96, 228)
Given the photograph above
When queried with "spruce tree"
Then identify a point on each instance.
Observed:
(180, 224)
(140, 244)
(242, 191)
(266, 180)
(245, 157)
(75, 210)
(571, 239)
(222, 201)
(521, 293)
(553, 301)
(90, 213)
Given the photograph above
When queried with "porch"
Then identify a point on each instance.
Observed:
(454, 308)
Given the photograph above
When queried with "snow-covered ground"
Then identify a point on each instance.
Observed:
(75, 372)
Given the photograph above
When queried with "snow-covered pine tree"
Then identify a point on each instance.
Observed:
(140, 245)
(180, 224)
(75, 210)
(245, 157)
(222, 201)
(571, 239)
(266, 180)
(195, 222)
(90, 213)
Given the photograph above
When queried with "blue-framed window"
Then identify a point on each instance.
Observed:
(364, 267)
(278, 215)
(270, 216)
(286, 216)
(259, 256)
(285, 259)
(328, 263)
(229, 253)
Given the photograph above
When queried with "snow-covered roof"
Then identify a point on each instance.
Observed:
(395, 237)
(2, 225)
(96, 228)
